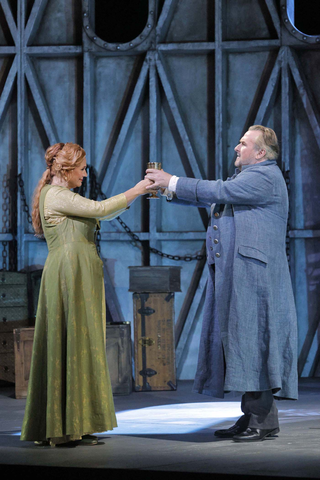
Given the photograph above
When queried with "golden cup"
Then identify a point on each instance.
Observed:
(157, 166)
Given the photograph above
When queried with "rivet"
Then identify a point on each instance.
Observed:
(118, 48)
(131, 44)
(286, 20)
(318, 40)
(151, 13)
(85, 14)
(94, 38)
(293, 31)
(87, 27)
(141, 36)
(105, 44)
(149, 25)
(283, 7)
(304, 38)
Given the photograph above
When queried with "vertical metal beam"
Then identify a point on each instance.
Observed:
(154, 151)
(286, 117)
(22, 131)
(220, 100)
(88, 105)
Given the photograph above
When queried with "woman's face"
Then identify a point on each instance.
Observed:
(77, 175)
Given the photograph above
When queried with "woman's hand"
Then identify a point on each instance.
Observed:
(141, 187)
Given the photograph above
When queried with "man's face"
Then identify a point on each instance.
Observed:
(247, 154)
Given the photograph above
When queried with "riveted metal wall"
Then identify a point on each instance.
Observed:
(182, 92)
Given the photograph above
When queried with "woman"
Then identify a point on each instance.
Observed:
(69, 393)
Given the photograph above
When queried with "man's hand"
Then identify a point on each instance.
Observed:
(159, 177)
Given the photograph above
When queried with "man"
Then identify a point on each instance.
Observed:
(249, 333)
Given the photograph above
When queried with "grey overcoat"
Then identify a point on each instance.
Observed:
(249, 332)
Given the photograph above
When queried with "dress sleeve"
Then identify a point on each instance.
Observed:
(60, 202)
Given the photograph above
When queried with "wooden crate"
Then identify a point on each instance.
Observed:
(119, 357)
(154, 279)
(23, 343)
(154, 352)
(118, 348)
(13, 314)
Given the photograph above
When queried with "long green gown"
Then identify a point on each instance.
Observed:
(69, 391)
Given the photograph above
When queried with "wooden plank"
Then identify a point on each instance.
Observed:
(34, 20)
(10, 20)
(7, 90)
(305, 94)
(41, 103)
(112, 157)
(165, 19)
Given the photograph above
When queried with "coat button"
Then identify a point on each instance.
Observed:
(215, 227)
(216, 241)
(218, 255)
(217, 215)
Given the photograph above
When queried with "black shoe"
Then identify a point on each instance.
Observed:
(255, 434)
(230, 432)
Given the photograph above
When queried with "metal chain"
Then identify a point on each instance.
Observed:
(24, 199)
(5, 219)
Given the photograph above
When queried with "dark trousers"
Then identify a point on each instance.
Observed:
(259, 410)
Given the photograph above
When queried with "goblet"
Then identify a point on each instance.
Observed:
(157, 166)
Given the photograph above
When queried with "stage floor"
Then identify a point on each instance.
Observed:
(170, 432)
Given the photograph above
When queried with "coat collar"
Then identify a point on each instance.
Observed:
(261, 164)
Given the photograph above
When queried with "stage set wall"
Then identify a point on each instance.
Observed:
(182, 92)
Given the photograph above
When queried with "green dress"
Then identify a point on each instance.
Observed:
(69, 391)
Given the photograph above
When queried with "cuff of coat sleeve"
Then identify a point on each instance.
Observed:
(187, 189)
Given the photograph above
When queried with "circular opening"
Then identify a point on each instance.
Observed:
(120, 21)
(307, 16)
